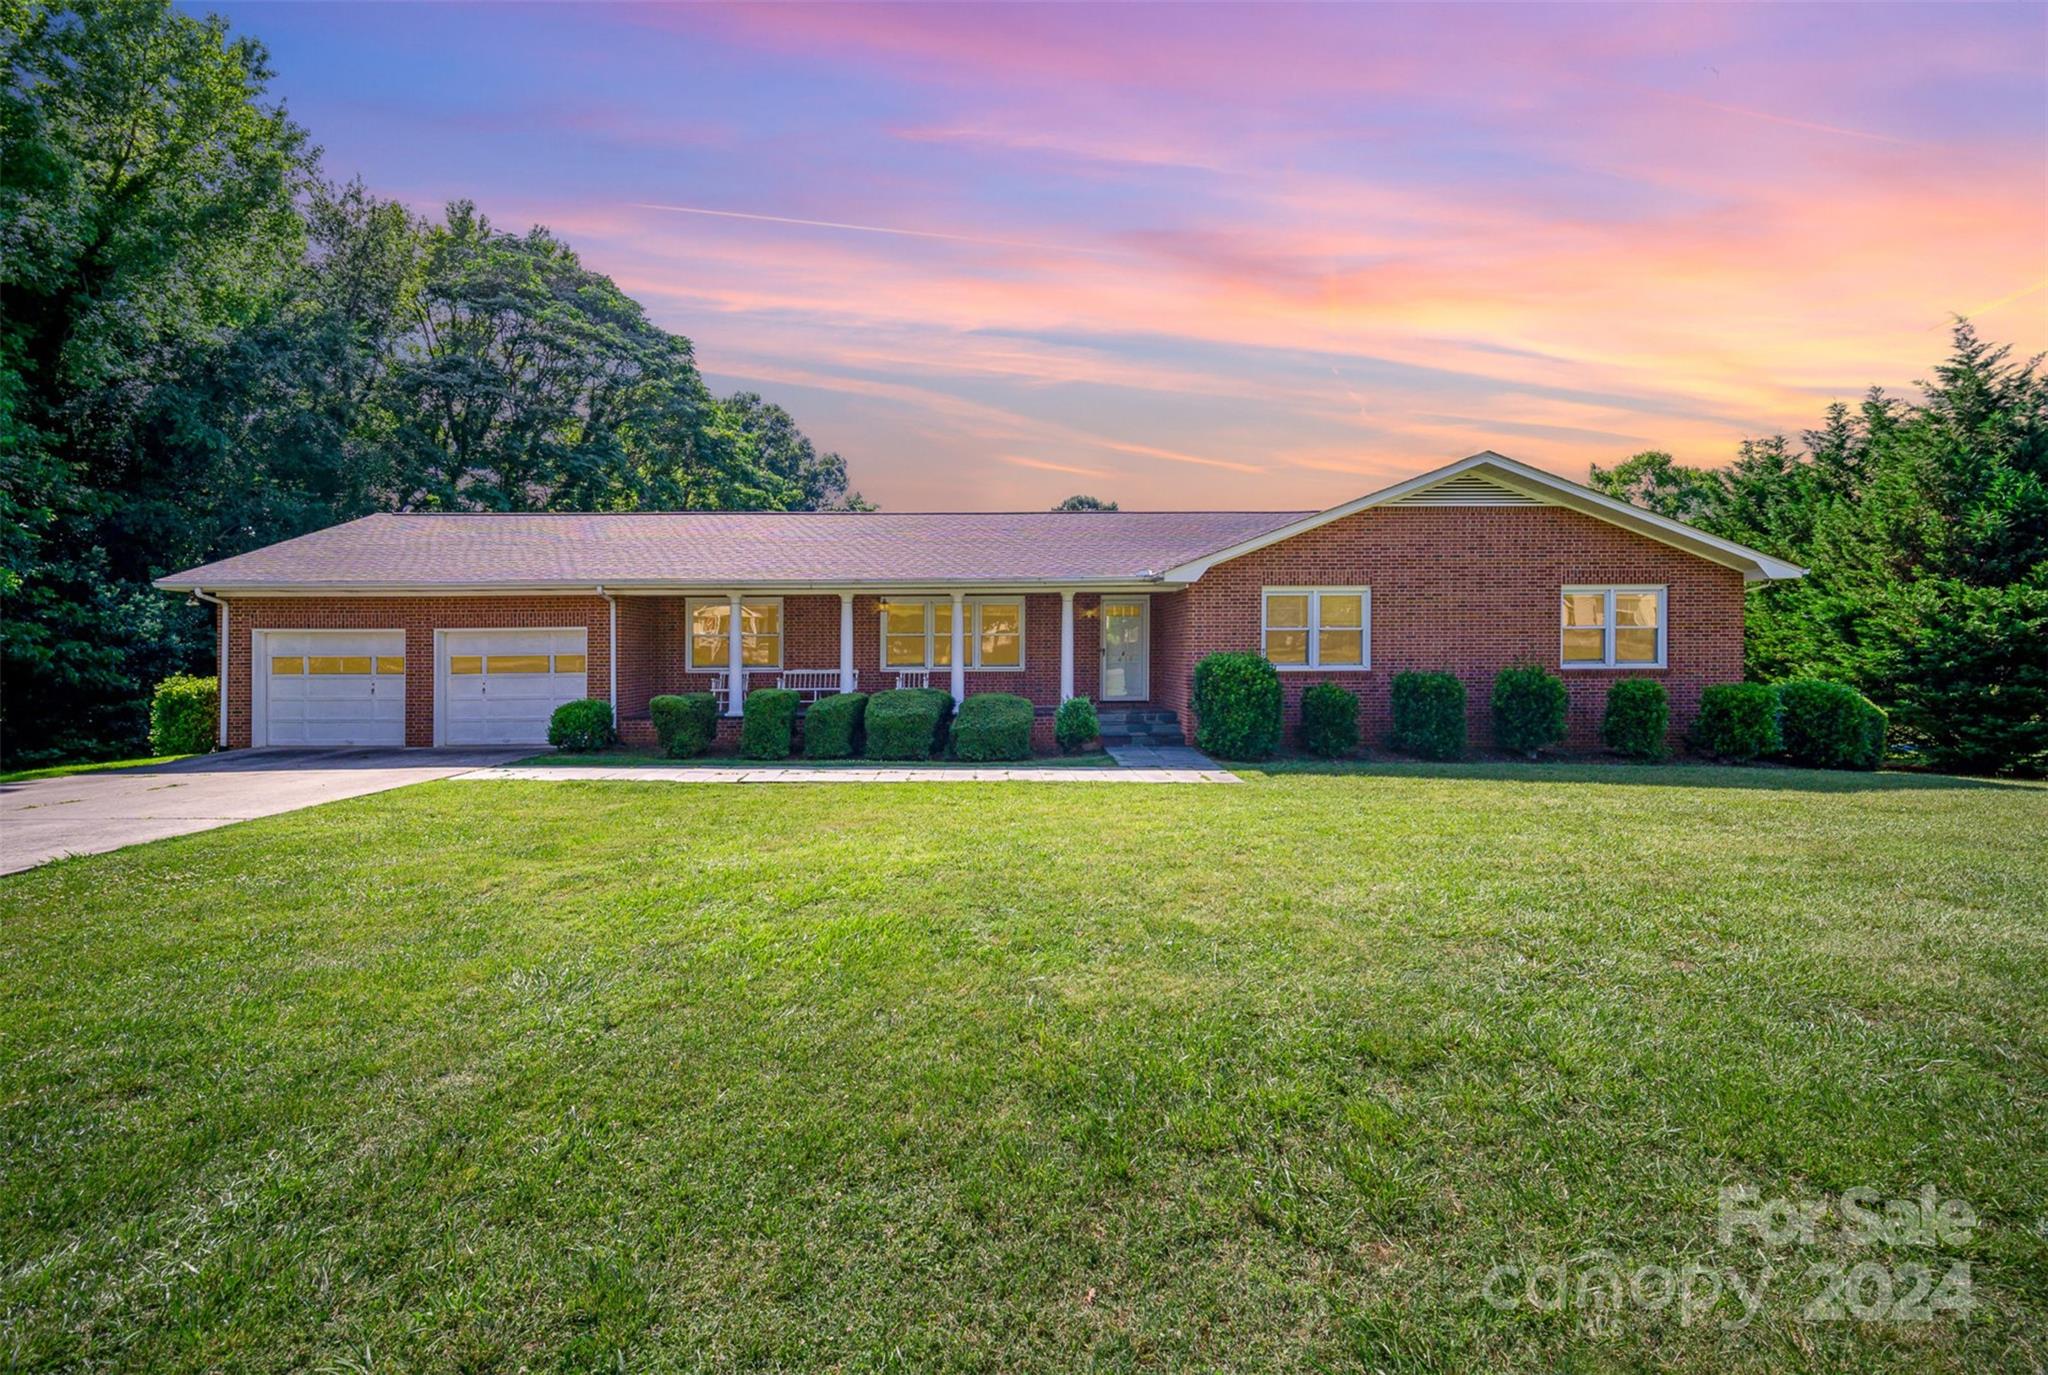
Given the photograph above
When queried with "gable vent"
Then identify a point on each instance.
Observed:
(1467, 489)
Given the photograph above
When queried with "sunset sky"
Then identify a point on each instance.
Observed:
(1269, 257)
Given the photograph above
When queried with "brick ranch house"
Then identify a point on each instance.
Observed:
(433, 630)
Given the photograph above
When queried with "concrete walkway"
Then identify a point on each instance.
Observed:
(1171, 766)
(87, 813)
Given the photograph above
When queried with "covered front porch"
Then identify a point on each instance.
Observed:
(1039, 644)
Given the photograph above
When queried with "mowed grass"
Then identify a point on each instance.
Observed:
(98, 766)
(575, 1076)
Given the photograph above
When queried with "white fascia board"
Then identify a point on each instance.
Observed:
(627, 589)
(1548, 487)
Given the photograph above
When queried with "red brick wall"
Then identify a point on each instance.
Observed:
(1470, 590)
(419, 618)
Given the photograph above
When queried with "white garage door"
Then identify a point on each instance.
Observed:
(333, 687)
(501, 686)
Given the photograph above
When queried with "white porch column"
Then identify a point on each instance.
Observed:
(847, 677)
(959, 648)
(735, 676)
(1066, 644)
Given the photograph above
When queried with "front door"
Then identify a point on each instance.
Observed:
(1126, 649)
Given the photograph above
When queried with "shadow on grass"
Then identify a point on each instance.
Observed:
(1759, 778)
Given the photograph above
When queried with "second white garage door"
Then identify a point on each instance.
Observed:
(499, 687)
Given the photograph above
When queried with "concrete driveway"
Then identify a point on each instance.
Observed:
(90, 812)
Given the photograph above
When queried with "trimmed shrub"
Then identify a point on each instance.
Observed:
(1638, 715)
(1738, 721)
(184, 715)
(992, 726)
(1237, 706)
(1329, 720)
(832, 727)
(908, 723)
(768, 723)
(1429, 714)
(1075, 724)
(1830, 725)
(1528, 709)
(685, 726)
(582, 726)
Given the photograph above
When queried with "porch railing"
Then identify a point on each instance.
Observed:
(809, 684)
(914, 678)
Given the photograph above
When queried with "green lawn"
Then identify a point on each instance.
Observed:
(579, 1076)
(66, 770)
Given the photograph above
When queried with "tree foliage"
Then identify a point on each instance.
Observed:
(1925, 530)
(205, 347)
(1085, 503)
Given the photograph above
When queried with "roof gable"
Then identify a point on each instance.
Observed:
(1491, 479)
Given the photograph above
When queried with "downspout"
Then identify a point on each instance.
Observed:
(611, 654)
(221, 732)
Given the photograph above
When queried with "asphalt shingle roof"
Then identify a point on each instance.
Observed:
(733, 547)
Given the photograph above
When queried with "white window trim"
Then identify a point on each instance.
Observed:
(1315, 595)
(971, 635)
(690, 634)
(1607, 627)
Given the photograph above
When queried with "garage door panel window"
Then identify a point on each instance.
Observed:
(516, 663)
(711, 639)
(338, 663)
(1612, 627)
(287, 663)
(917, 633)
(1318, 627)
(465, 664)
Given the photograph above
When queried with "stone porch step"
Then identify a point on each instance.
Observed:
(1140, 727)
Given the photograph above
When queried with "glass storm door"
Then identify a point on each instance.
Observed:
(1126, 644)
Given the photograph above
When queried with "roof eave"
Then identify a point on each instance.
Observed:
(180, 583)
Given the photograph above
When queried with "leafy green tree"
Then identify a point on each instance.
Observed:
(774, 442)
(1925, 530)
(1085, 503)
(204, 348)
(146, 201)
(1657, 482)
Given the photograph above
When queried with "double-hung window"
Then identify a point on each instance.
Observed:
(1318, 627)
(917, 632)
(711, 632)
(1612, 627)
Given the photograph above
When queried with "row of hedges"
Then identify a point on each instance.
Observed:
(1237, 703)
(1808, 721)
(911, 723)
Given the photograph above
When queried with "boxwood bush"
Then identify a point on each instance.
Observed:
(1429, 714)
(1329, 720)
(184, 715)
(1738, 721)
(582, 726)
(833, 726)
(1528, 709)
(685, 726)
(908, 723)
(1237, 706)
(768, 723)
(992, 726)
(1638, 715)
(1830, 725)
(1075, 724)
